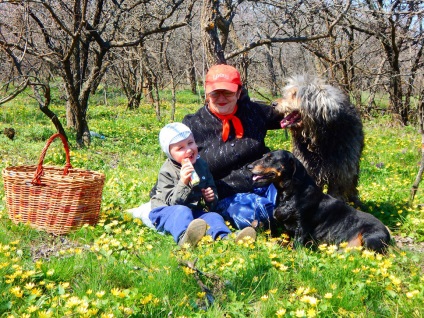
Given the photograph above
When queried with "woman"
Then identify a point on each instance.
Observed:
(230, 133)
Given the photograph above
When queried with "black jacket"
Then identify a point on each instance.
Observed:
(227, 160)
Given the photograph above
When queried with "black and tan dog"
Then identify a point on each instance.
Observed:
(307, 214)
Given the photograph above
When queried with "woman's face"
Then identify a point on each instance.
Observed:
(222, 101)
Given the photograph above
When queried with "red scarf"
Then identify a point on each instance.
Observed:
(238, 127)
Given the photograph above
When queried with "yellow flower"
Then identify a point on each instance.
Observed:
(201, 294)
(368, 254)
(36, 292)
(395, 280)
(72, 302)
(188, 270)
(309, 300)
(332, 249)
(264, 297)
(311, 313)
(65, 285)
(32, 309)
(29, 286)
(300, 290)
(123, 293)
(146, 299)
(45, 314)
(92, 312)
(100, 294)
(115, 291)
(300, 313)
(322, 247)
(281, 312)
(328, 295)
(411, 294)
(16, 291)
(128, 311)
(82, 311)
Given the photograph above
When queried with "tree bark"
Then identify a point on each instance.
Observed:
(213, 47)
(191, 72)
(271, 71)
(418, 178)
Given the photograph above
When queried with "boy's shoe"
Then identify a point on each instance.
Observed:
(194, 233)
(246, 232)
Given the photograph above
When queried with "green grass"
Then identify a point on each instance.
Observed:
(121, 268)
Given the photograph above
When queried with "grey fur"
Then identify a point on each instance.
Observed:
(329, 139)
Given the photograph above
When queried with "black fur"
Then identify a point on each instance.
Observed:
(309, 215)
(327, 134)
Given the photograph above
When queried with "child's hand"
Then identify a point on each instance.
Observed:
(208, 194)
(186, 170)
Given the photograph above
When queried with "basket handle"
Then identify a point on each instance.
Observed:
(39, 171)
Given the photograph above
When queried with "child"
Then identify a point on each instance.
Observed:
(180, 206)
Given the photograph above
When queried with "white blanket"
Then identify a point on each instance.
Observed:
(142, 212)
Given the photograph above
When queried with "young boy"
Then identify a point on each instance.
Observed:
(180, 205)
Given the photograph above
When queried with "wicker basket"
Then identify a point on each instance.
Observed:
(53, 199)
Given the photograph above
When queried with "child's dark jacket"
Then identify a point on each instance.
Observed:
(171, 191)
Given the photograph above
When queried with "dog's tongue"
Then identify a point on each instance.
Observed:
(289, 120)
(256, 177)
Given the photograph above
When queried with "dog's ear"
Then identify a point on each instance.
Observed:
(293, 166)
(288, 173)
(298, 172)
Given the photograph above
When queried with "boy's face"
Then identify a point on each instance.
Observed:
(186, 148)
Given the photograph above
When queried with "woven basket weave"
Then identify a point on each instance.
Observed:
(53, 199)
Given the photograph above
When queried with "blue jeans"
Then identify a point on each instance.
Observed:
(175, 219)
(242, 209)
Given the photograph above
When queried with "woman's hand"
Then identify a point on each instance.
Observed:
(186, 170)
(208, 194)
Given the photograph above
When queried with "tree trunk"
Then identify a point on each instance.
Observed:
(374, 87)
(271, 70)
(157, 99)
(283, 69)
(71, 120)
(418, 178)
(191, 71)
(44, 103)
(209, 23)
(168, 67)
(397, 106)
(134, 101)
(243, 69)
(74, 108)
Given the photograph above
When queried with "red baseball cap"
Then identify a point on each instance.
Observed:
(222, 77)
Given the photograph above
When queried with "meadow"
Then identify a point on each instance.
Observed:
(121, 268)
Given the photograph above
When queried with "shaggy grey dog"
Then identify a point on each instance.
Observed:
(327, 134)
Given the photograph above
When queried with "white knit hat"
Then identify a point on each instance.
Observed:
(171, 134)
